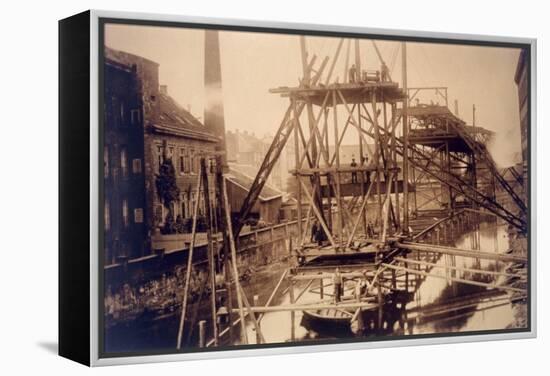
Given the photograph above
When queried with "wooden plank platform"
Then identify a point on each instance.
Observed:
(353, 93)
(354, 189)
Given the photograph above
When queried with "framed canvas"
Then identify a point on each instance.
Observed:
(233, 188)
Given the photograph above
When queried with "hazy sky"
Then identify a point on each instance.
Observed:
(252, 63)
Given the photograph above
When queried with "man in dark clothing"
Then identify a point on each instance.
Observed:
(353, 173)
(314, 231)
(367, 173)
(320, 235)
(337, 280)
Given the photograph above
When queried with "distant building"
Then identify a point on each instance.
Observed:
(267, 208)
(154, 124)
(522, 81)
(246, 151)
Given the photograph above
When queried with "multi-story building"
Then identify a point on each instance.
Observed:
(158, 126)
(522, 81)
(123, 163)
(246, 152)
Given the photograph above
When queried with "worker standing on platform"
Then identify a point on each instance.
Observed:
(365, 162)
(359, 288)
(370, 230)
(354, 172)
(352, 74)
(337, 280)
(385, 72)
(314, 231)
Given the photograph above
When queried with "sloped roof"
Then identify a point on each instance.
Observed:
(244, 181)
(175, 120)
(127, 58)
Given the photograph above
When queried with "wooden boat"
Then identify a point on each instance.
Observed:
(329, 319)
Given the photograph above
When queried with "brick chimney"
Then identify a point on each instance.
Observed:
(213, 111)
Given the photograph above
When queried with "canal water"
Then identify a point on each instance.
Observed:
(432, 304)
(427, 305)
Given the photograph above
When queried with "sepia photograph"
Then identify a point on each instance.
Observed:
(281, 188)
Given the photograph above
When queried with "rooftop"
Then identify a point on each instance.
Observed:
(175, 120)
(244, 181)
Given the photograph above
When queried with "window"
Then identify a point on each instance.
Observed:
(106, 162)
(113, 111)
(183, 206)
(192, 204)
(135, 116)
(159, 157)
(192, 161)
(186, 161)
(198, 160)
(182, 161)
(136, 166)
(107, 216)
(125, 219)
(122, 112)
(158, 214)
(201, 203)
(171, 153)
(138, 215)
(123, 162)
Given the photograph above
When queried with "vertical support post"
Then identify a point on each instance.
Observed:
(298, 168)
(377, 151)
(346, 63)
(202, 333)
(292, 313)
(233, 264)
(380, 304)
(362, 164)
(316, 179)
(211, 256)
(321, 288)
(448, 162)
(406, 273)
(328, 177)
(394, 158)
(226, 251)
(256, 303)
(305, 70)
(357, 58)
(337, 174)
(405, 141)
(189, 266)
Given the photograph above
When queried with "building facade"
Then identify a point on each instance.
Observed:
(158, 127)
(124, 196)
(246, 152)
(522, 81)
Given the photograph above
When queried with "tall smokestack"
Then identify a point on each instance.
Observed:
(213, 109)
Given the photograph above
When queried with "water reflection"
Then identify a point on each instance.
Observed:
(419, 305)
(422, 304)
